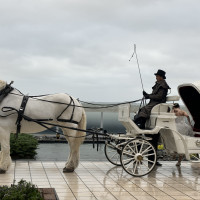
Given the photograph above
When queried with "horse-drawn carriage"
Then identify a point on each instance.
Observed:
(134, 151)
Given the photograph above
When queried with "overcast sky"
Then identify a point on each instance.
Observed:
(83, 47)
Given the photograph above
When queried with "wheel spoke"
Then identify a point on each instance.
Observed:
(146, 150)
(141, 146)
(114, 148)
(140, 165)
(149, 160)
(110, 151)
(136, 147)
(113, 155)
(131, 148)
(135, 167)
(128, 160)
(152, 154)
(145, 164)
(111, 146)
(130, 164)
(128, 153)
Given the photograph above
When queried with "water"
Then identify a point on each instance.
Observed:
(60, 152)
(110, 121)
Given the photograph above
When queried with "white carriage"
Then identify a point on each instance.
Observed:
(134, 151)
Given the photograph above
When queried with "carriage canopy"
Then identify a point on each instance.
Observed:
(190, 95)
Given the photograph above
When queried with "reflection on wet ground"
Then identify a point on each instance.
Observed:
(100, 180)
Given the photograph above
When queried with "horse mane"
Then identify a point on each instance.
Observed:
(2, 84)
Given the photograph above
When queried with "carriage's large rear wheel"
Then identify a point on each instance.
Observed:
(138, 157)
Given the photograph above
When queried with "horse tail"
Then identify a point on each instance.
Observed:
(82, 124)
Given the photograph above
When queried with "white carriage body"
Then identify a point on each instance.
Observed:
(162, 121)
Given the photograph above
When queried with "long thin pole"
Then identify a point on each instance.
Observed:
(137, 64)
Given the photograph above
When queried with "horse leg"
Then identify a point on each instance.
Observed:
(76, 139)
(74, 144)
(5, 159)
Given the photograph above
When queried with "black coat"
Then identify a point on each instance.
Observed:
(158, 95)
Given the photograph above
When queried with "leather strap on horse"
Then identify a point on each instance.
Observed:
(72, 115)
(20, 114)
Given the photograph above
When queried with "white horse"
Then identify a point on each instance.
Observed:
(41, 107)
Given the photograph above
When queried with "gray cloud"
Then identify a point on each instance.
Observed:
(83, 47)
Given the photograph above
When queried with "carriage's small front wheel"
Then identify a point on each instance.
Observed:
(112, 151)
(138, 157)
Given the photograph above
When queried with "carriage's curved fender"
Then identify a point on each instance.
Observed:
(174, 141)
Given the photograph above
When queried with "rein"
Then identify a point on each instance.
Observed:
(44, 123)
(99, 105)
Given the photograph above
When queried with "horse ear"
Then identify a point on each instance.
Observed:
(2, 84)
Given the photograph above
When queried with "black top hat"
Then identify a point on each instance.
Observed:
(161, 73)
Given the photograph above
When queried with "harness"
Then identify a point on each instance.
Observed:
(22, 108)
(72, 115)
(21, 113)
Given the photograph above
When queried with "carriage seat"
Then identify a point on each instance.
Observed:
(162, 113)
(164, 107)
(172, 98)
(160, 109)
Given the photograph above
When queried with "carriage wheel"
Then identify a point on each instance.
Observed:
(138, 157)
(112, 152)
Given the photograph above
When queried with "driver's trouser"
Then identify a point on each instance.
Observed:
(140, 122)
(154, 142)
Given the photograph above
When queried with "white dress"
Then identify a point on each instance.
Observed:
(182, 127)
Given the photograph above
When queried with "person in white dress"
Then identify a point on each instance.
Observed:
(182, 127)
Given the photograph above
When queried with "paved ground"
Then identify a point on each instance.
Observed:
(103, 181)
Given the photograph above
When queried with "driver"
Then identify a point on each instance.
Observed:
(158, 95)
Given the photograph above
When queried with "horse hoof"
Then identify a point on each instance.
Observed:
(67, 170)
(2, 171)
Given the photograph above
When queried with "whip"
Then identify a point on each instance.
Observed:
(135, 53)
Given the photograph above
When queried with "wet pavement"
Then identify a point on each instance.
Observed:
(100, 180)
